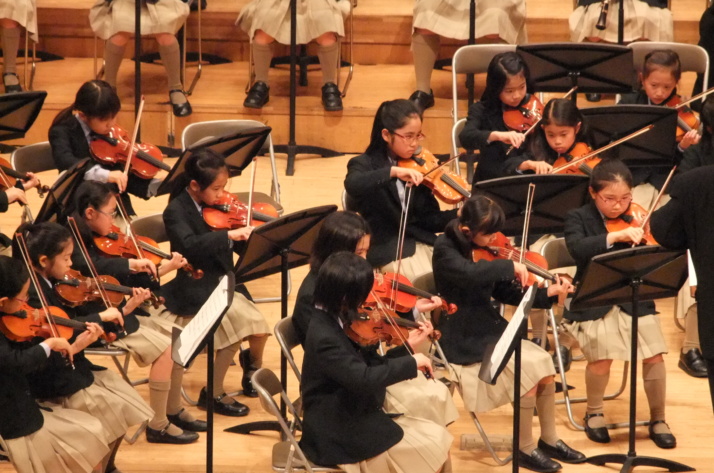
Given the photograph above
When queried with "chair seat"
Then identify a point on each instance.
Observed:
(281, 450)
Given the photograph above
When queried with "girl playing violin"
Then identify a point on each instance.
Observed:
(343, 386)
(10, 195)
(348, 231)
(507, 87)
(378, 186)
(466, 333)
(604, 333)
(83, 386)
(148, 337)
(47, 438)
(204, 182)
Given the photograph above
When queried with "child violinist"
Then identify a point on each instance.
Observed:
(507, 87)
(47, 438)
(604, 333)
(13, 14)
(83, 386)
(348, 231)
(147, 337)
(204, 182)
(466, 333)
(343, 386)
(379, 186)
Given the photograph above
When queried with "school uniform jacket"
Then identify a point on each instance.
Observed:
(466, 333)
(377, 200)
(698, 155)
(343, 389)
(4, 206)
(586, 237)
(304, 306)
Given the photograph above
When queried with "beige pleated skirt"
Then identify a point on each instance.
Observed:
(113, 401)
(480, 396)
(23, 12)
(314, 18)
(423, 449)
(70, 441)
(641, 22)
(110, 18)
(424, 398)
(416, 265)
(450, 18)
(609, 338)
(242, 319)
(148, 343)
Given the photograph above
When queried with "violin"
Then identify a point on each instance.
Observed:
(398, 293)
(501, 248)
(76, 289)
(446, 186)
(115, 147)
(525, 115)
(8, 171)
(230, 213)
(29, 323)
(584, 167)
(637, 215)
(383, 325)
(687, 119)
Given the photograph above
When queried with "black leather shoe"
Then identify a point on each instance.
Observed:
(331, 97)
(538, 461)
(258, 95)
(235, 409)
(180, 109)
(693, 363)
(192, 426)
(662, 440)
(593, 97)
(539, 342)
(598, 434)
(567, 357)
(248, 370)
(162, 436)
(422, 100)
(13, 88)
(561, 452)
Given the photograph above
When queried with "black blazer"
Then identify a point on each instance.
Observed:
(343, 389)
(304, 307)
(698, 155)
(585, 237)
(377, 200)
(466, 333)
(205, 249)
(19, 413)
(4, 206)
(686, 221)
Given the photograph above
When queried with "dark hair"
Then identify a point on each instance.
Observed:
(479, 214)
(706, 115)
(391, 115)
(43, 239)
(559, 112)
(343, 283)
(13, 275)
(662, 58)
(609, 171)
(341, 231)
(94, 194)
(95, 99)
(501, 67)
(203, 166)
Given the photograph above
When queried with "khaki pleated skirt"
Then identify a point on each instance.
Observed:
(416, 265)
(450, 18)
(70, 441)
(113, 401)
(641, 22)
(609, 338)
(479, 396)
(423, 398)
(423, 449)
(110, 18)
(148, 343)
(242, 319)
(23, 12)
(314, 18)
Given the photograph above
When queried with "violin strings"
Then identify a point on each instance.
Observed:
(72, 223)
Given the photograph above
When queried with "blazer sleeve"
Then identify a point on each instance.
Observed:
(62, 150)
(581, 245)
(361, 179)
(455, 270)
(4, 202)
(667, 223)
(20, 360)
(474, 135)
(193, 246)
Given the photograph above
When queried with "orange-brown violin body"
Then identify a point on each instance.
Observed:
(501, 248)
(29, 323)
(114, 149)
(398, 293)
(446, 186)
(524, 116)
(381, 325)
(584, 168)
(687, 119)
(638, 213)
(230, 213)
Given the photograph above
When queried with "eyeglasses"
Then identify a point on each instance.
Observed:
(111, 215)
(624, 201)
(411, 138)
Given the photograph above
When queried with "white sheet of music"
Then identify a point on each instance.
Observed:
(692, 272)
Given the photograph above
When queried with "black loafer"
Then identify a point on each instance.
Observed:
(662, 440)
(248, 370)
(192, 426)
(538, 461)
(561, 452)
(593, 97)
(258, 95)
(11, 88)
(539, 342)
(598, 434)
(422, 100)
(331, 97)
(234, 409)
(180, 109)
(162, 436)
(693, 363)
(567, 357)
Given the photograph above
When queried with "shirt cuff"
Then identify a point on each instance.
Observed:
(97, 173)
(47, 349)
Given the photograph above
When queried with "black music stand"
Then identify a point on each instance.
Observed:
(58, 204)
(278, 246)
(632, 275)
(18, 113)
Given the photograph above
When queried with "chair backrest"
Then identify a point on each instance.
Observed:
(288, 339)
(556, 254)
(151, 226)
(348, 203)
(473, 59)
(692, 57)
(455, 131)
(36, 157)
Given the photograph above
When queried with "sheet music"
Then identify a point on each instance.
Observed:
(692, 272)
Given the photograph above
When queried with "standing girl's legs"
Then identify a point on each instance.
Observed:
(171, 58)
(262, 50)
(10, 46)
(597, 374)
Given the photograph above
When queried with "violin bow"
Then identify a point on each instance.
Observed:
(252, 188)
(26, 212)
(127, 223)
(137, 122)
(654, 205)
(527, 222)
